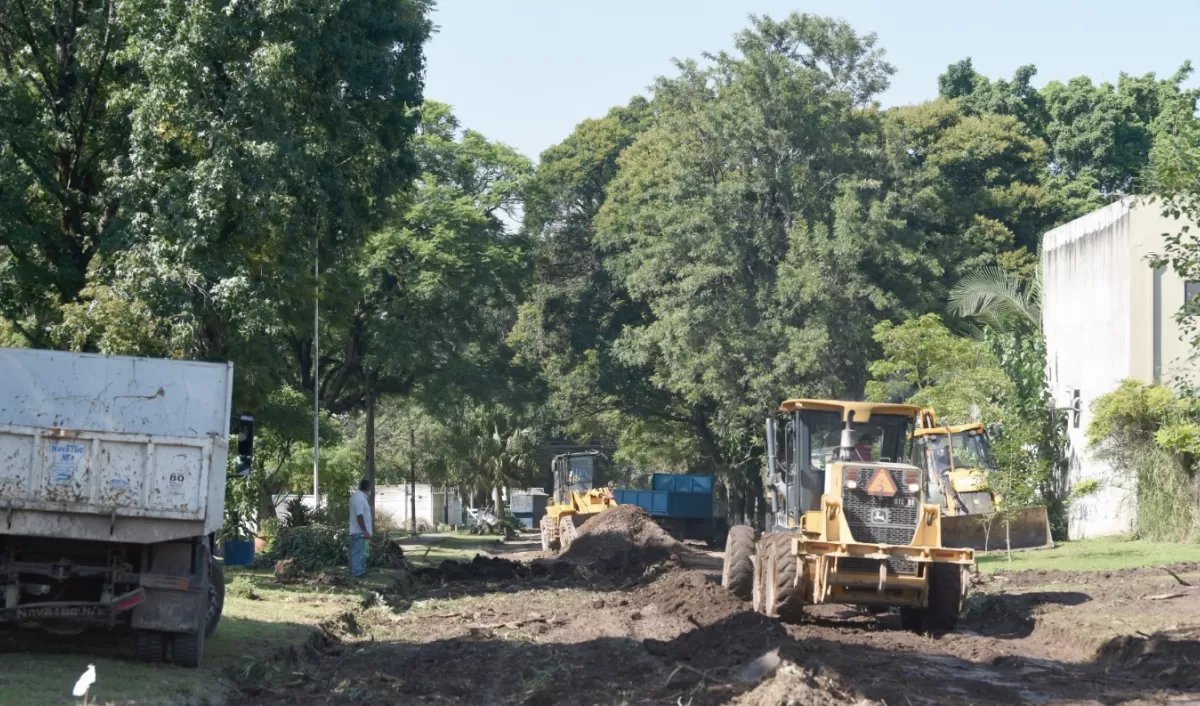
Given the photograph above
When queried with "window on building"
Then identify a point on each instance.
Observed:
(1190, 290)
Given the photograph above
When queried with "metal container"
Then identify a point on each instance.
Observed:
(112, 448)
(682, 483)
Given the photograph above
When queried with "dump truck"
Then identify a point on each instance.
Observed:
(682, 504)
(112, 489)
(958, 462)
(851, 521)
(578, 494)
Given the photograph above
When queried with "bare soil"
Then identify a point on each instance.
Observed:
(672, 635)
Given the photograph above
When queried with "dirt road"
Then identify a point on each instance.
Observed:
(671, 635)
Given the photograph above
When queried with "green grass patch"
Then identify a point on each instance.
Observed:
(460, 547)
(1107, 554)
(45, 669)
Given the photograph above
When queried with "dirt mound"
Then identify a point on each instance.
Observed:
(620, 538)
(484, 568)
(792, 685)
(1168, 656)
(690, 594)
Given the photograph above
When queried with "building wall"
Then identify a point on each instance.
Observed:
(1108, 316)
(434, 505)
(1087, 311)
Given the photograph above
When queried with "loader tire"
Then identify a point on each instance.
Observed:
(737, 573)
(945, 597)
(549, 534)
(566, 532)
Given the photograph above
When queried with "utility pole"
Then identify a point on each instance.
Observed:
(412, 475)
(370, 436)
(316, 374)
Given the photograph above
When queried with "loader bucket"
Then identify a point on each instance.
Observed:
(1028, 529)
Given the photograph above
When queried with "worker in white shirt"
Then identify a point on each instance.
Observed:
(360, 528)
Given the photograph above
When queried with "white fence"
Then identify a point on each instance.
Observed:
(435, 506)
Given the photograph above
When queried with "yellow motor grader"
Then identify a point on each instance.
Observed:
(575, 498)
(958, 461)
(851, 520)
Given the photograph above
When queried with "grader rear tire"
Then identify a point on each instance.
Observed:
(737, 572)
(566, 532)
(549, 534)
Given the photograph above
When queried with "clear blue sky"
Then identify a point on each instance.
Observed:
(525, 72)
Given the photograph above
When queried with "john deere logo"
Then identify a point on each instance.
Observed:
(881, 484)
(879, 516)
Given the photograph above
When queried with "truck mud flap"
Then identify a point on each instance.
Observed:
(1027, 529)
(74, 610)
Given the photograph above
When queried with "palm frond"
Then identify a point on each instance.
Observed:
(997, 300)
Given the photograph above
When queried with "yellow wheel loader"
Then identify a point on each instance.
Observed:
(957, 461)
(852, 521)
(575, 498)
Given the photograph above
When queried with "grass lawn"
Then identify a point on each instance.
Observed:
(1093, 555)
(455, 546)
(45, 668)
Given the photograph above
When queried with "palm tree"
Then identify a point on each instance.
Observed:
(993, 298)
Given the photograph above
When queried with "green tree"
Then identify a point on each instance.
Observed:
(925, 364)
(214, 148)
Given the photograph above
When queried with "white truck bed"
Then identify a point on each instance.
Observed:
(112, 448)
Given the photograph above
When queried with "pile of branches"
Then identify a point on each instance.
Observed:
(316, 546)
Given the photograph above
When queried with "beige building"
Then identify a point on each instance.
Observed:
(1109, 315)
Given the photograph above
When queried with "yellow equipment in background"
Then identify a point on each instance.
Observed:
(957, 461)
(575, 498)
(851, 520)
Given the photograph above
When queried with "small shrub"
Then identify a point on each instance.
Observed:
(242, 587)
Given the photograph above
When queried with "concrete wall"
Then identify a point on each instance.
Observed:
(1108, 316)
(1086, 312)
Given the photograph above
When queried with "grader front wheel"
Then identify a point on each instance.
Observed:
(780, 578)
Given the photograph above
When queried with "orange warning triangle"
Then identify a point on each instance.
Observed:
(881, 484)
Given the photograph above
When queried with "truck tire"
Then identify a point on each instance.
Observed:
(148, 646)
(945, 597)
(549, 534)
(188, 649)
(216, 596)
(781, 580)
(737, 572)
(566, 532)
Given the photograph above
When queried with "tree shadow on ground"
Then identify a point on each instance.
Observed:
(1011, 616)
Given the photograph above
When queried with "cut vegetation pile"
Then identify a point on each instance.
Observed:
(622, 538)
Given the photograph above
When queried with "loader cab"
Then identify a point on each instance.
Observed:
(806, 439)
(956, 460)
(575, 472)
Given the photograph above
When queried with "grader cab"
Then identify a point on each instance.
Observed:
(850, 520)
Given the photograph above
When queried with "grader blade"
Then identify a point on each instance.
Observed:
(1026, 529)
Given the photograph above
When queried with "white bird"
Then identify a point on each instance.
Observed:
(85, 682)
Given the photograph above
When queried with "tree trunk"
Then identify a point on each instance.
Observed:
(371, 441)
(412, 478)
(497, 500)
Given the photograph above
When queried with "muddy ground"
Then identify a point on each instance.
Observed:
(667, 633)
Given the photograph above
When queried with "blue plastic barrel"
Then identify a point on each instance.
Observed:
(239, 552)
